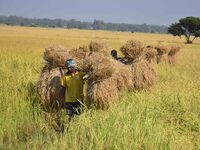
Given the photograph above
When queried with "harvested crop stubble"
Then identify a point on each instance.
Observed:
(143, 75)
(162, 53)
(174, 49)
(99, 47)
(132, 50)
(49, 88)
(150, 54)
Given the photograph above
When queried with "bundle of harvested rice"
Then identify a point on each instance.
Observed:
(161, 49)
(79, 54)
(56, 56)
(49, 88)
(106, 78)
(150, 54)
(132, 50)
(122, 76)
(162, 53)
(98, 67)
(173, 49)
(99, 47)
(173, 53)
(143, 75)
(101, 94)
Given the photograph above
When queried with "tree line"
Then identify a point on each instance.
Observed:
(95, 25)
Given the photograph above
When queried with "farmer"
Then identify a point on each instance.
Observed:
(120, 59)
(114, 54)
(73, 83)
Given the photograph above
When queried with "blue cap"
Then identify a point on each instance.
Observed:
(70, 63)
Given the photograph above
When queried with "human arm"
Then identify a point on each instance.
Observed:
(62, 73)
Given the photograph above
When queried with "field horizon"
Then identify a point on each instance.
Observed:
(165, 117)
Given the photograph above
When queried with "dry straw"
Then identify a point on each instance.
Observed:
(143, 75)
(101, 90)
(150, 54)
(162, 53)
(122, 77)
(56, 56)
(101, 93)
(167, 54)
(106, 78)
(79, 54)
(132, 50)
(49, 88)
(137, 76)
(98, 66)
(99, 47)
(174, 49)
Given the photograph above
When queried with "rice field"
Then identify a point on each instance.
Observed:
(165, 117)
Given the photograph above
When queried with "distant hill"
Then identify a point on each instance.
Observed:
(96, 25)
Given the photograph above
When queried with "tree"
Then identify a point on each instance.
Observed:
(188, 27)
(98, 25)
(21, 24)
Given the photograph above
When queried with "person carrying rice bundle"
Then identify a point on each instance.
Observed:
(73, 82)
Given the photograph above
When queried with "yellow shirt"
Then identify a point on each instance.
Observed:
(74, 86)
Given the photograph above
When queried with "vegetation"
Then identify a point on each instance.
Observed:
(166, 117)
(188, 27)
(96, 25)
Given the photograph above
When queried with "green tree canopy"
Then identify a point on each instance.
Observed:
(188, 27)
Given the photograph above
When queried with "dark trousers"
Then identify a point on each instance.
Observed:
(73, 108)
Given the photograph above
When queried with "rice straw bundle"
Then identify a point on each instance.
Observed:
(100, 48)
(143, 75)
(132, 50)
(101, 94)
(122, 77)
(150, 54)
(49, 88)
(56, 56)
(107, 77)
(98, 66)
(173, 53)
(79, 54)
(162, 54)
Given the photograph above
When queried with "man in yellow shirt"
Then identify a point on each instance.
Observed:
(73, 83)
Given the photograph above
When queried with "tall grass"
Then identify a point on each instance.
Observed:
(166, 117)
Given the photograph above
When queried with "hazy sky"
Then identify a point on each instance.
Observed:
(161, 12)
